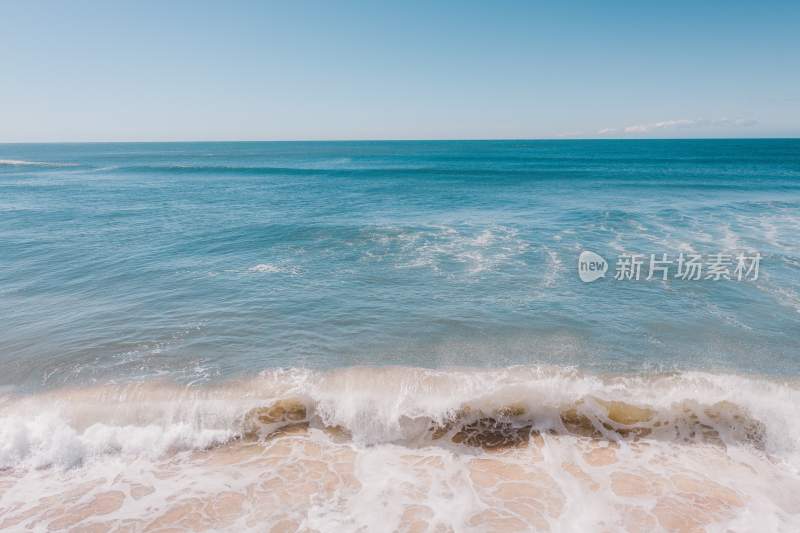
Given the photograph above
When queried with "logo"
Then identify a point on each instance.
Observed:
(591, 266)
(663, 267)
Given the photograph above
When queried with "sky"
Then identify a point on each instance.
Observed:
(163, 71)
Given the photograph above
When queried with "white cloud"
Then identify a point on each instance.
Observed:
(681, 124)
(666, 124)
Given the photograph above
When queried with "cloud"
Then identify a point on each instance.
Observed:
(682, 124)
(667, 125)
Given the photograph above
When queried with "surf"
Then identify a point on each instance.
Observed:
(519, 448)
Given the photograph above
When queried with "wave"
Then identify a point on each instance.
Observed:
(440, 248)
(407, 449)
(22, 162)
(553, 172)
(405, 406)
(244, 170)
(272, 268)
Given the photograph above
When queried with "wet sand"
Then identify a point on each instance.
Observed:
(303, 479)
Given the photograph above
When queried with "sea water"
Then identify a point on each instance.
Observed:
(394, 335)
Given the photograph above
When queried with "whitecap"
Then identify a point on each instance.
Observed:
(22, 162)
(271, 268)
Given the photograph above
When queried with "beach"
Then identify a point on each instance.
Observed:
(400, 449)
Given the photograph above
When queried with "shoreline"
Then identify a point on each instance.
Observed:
(306, 479)
(406, 449)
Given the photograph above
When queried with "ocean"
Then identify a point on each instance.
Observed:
(397, 336)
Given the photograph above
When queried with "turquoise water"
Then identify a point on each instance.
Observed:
(390, 336)
(197, 262)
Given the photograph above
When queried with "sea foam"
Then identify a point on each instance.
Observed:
(473, 450)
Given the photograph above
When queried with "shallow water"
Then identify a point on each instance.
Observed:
(241, 335)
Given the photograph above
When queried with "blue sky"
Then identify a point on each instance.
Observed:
(109, 71)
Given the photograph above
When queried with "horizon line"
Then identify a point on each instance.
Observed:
(465, 139)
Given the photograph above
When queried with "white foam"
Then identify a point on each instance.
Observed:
(22, 162)
(49, 440)
(376, 405)
(271, 268)
(265, 267)
(440, 248)
(554, 268)
(125, 436)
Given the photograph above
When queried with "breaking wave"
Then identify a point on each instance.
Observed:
(407, 449)
(404, 406)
